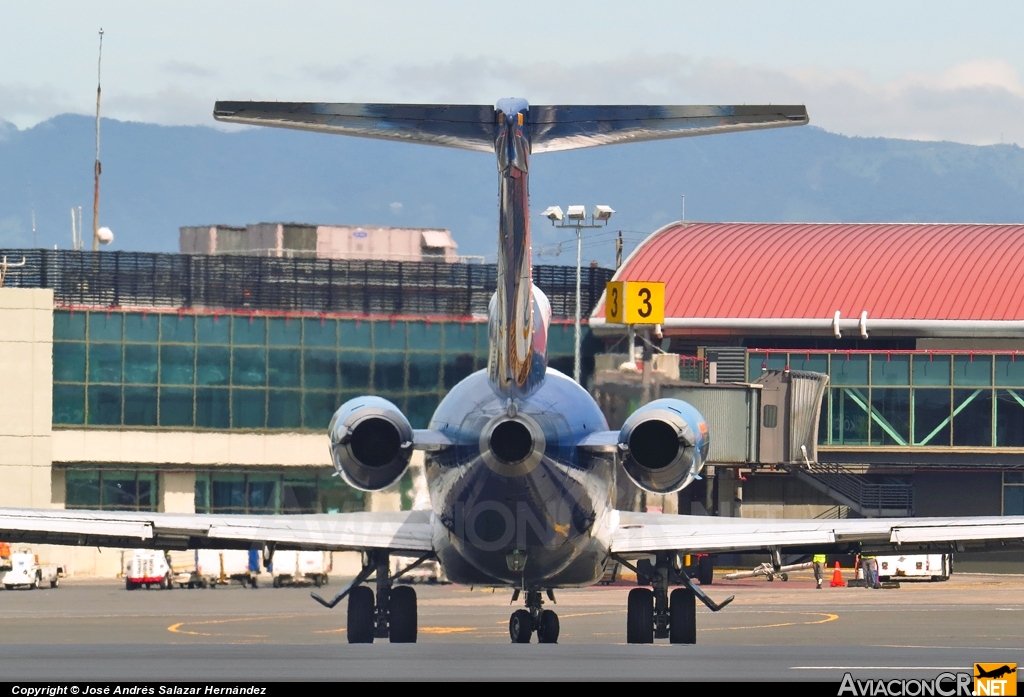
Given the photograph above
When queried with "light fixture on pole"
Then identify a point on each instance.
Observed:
(577, 219)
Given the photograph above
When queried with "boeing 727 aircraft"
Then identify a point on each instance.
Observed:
(520, 463)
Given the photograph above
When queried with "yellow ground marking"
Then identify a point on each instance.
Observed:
(177, 627)
(445, 630)
(581, 614)
(829, 617)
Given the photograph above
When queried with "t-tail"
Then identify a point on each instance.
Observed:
(513, 131)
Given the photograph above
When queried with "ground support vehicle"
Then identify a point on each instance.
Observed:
(926, 567)
(222, 566)
(291, 568)
(146, 568)
(425, 572)
(27, 572)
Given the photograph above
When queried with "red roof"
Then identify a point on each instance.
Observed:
(811, 270)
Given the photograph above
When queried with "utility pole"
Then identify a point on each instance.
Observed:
(97, 168)
(618, 251)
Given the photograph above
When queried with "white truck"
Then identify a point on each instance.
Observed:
(151, 567)
(222, 566)
(926, 567)
(301, 568)
(27, 572)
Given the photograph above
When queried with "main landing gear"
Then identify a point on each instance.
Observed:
(523, 623)
(391, 615)
(654, 613)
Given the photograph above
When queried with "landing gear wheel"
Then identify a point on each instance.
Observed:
(360, 616)
(682, 617)
(277, 582)
(705, 570)
(402, 615)
(640, 616)
(547, 628)
(520, 627)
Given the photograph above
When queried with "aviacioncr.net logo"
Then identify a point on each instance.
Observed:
(942, 685)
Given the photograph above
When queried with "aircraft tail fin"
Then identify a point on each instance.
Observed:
(466, 126)
(554, 128)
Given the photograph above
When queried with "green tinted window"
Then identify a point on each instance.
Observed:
(251, 331)
(104, 362)
(420, 408)
(284, 409)
(176, 406)
(1010, 371)
(140, 406)
(213, 330)
(69, 326)
(320, 332)
(887, 369)
(817, 363)
(249, 366)
(177, 365)
(424, 336)
(284, 331)
(972, 419)
(68, 362)
(213, 365)
(68, 404)
(459, 337)
(104, 405)
(972, 370)
(140, 365)
(424, 371)
(355, 334)
(320, 370)
(354, 367)
(852, 370)
(389, 371)
(140, 328)
(248, 408)
(213, 408)
(932, 370)
(284, 367)
(317, 409)
(389, 336)
(177, 329)
(1009, 420)
(105, 327)
(456, 368)
(82, 489)
(932, 416)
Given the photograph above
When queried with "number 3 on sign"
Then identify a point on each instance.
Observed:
(635, 302)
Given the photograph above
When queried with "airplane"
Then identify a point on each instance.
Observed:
(519, 460)
(995, 673)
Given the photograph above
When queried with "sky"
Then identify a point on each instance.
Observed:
(920, 70)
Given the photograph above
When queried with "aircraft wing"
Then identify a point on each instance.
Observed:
(466, 126)
(554, 128)
(639, 533)
(401, 531)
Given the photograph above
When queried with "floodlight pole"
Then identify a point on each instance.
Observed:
(96, 167)
(579, 224)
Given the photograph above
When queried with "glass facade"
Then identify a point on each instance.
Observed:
(246, 372)
(111, 489)
(1013, 493)
(274, 491)
(913, 398)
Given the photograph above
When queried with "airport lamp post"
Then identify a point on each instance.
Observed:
(577, 220)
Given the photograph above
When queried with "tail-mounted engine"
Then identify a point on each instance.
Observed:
(371, 443)
(664, 445)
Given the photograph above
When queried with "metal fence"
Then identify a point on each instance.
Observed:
(144, 279)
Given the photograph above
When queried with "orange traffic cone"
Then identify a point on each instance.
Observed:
(837, 578)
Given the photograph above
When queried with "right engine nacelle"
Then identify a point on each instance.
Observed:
(664, 445)
(371, 443)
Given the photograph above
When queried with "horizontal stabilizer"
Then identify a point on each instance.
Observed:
(474, 127)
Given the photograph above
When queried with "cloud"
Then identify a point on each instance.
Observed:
(26, 106)
(187, 69)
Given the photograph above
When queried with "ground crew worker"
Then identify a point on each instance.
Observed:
(819, 568)
(870, 569)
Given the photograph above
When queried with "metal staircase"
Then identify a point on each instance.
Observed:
(889, 499)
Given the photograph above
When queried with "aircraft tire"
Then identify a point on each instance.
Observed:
(706, 570)
(520, 627)
(682, 628)
(547, 629)
(640, 616)
(402, 615)
(360, 616)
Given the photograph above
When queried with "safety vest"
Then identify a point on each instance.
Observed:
(867, 556)
(819, 558)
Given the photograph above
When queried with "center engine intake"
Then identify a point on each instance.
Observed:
(664, 445)
(371, 443)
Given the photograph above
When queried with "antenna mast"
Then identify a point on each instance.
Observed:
(97, 168)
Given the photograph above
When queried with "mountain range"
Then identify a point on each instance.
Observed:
(158, 178)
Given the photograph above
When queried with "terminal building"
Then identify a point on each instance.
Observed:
(204, 382)
(919, 328)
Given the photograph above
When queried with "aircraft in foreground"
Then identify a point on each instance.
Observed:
(519, 460)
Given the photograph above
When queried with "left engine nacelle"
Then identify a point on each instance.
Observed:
(665, 445)
(371, 443)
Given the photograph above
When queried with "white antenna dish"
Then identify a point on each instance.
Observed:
(105, 235)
